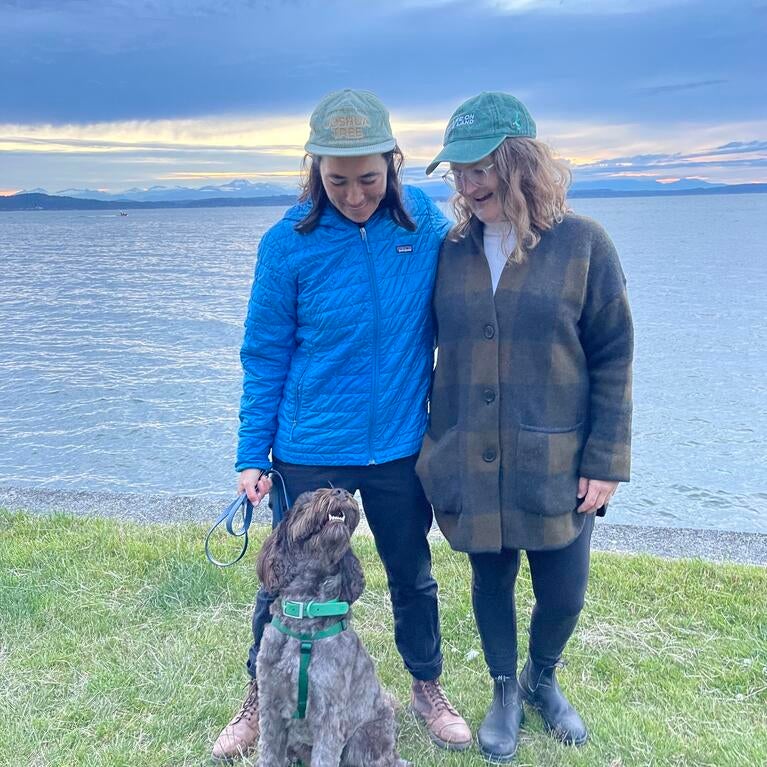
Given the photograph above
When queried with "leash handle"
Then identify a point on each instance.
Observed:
(280, 504)
(228, 516)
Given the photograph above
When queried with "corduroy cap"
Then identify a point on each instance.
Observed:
(480, 125)
(350, 123)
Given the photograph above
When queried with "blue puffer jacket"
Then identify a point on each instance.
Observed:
(337, 353)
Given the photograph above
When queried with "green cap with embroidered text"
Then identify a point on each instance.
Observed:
(480, 125)
(350, 123)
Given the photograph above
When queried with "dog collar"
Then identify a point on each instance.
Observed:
(312, 609)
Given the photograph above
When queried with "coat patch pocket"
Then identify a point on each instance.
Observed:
(438, 468)
(546, 476)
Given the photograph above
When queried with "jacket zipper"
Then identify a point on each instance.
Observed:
(376, 323)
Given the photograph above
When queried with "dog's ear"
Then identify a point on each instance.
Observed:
(352, 578)
(302, 522)
(272, 561)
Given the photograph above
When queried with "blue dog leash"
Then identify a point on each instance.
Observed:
(280, 503)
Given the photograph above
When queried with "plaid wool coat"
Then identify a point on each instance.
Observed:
(531, 390)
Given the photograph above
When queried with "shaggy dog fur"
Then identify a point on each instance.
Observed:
(349, 718)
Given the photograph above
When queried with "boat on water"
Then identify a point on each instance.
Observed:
(123, 213)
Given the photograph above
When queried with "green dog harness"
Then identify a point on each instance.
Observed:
(310, 609)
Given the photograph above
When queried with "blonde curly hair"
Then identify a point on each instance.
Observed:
(532, 190)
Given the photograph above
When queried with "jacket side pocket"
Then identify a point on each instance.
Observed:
(299, 393)
(546, 478)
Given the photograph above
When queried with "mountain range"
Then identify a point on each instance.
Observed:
(234, 189)
(242, 188)
(244, 193)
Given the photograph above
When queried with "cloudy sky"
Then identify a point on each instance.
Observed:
(113, 94)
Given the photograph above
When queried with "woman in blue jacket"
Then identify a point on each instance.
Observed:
(337, 360)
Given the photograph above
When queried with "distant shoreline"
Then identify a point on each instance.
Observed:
(42, 202)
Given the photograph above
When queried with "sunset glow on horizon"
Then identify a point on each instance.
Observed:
(112, 95)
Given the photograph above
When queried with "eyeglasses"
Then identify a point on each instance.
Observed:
(457, 179)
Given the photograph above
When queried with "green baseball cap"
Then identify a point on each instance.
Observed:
(350, 123)
(480, 125)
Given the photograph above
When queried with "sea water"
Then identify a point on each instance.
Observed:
(119, 342)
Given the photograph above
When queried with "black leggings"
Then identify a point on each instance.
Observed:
(559, 581)
(400, 517)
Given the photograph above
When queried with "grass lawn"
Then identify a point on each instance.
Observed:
(121, 645)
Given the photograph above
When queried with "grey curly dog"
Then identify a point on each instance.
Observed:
(349, 718)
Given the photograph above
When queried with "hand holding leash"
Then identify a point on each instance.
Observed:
(252, 486)
(255, 483)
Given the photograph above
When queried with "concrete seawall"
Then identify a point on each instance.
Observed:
(711, 545)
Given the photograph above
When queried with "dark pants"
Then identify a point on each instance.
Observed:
(400, 518)
(559, 581)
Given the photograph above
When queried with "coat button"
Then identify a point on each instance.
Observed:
(489, 330)
(489, 395)
(489, 455)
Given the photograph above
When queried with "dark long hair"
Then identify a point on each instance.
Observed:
(312, 189)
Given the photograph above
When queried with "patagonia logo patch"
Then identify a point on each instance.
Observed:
(404, 248)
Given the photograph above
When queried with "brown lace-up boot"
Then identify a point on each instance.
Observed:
(446, 726)
(240, 736)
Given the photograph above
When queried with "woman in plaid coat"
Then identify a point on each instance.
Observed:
(530, 415)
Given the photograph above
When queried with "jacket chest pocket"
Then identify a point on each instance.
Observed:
(546, 469)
